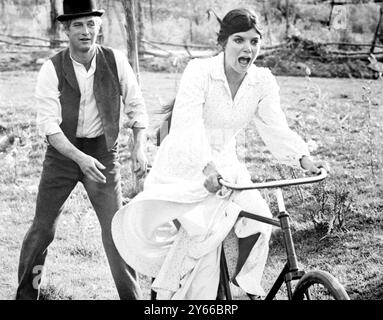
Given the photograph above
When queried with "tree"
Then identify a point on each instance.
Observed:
(131, 31)
(130, 7)
(287, 19)
(140, 29)
(151, 12)
(266, 16)
(54, 27)
(377, 30)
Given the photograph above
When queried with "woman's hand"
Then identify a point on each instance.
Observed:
(211, 183)
(309, 165)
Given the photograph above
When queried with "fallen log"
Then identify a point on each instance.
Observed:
(32, 38)
(155, 53)
(348, 44)
(355, 53)
(201, 46)
(181, 45)
(24, 44)
(171, 54)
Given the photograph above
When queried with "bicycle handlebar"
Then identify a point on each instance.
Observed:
(275, 184)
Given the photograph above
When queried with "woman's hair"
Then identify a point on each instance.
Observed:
(237, 20)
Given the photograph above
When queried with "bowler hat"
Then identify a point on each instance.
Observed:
(79, 8)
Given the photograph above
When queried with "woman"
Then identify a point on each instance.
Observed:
(173, 230)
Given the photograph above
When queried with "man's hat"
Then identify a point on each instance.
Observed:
(79, 8)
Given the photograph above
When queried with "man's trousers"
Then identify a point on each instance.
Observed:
(59, 177)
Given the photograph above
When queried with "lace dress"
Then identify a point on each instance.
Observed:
(185, 260)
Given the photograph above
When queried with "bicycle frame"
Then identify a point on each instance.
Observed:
(290, 271)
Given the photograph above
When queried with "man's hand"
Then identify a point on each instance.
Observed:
(140, 162)
(90, 167)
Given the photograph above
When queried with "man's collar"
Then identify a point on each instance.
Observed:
(93, 62)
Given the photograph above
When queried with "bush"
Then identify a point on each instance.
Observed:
(333, 203)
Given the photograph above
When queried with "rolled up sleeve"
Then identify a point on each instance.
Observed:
(285, 144)
(47, 101)
(133, 102)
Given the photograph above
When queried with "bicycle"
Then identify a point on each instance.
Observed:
(306, 288)
(328, 286)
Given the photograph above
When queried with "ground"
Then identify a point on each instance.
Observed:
(337, 226)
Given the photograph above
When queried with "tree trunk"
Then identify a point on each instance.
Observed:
(287, 19)
(109, 19)
(121, 23)
(267, 22)
(191, 30)
(151, 13)
(100, 36)
(377, 31)
(330, 17)
(131, 30)
(140, 29)
(3, 6)
(54, 28)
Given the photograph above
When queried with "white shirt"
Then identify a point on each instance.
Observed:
(89, 124)
(204, 94)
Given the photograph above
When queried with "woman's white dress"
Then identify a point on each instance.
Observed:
(185, 261)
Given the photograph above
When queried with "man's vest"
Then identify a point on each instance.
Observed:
(106, 89)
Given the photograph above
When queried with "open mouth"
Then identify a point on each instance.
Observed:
(244, 61)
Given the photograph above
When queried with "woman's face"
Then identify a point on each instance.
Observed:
(241, 50)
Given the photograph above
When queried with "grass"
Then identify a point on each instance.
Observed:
(343, 128)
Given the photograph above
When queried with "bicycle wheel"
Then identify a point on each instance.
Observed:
(319, 285)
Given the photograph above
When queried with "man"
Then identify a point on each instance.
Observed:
(80, 92)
